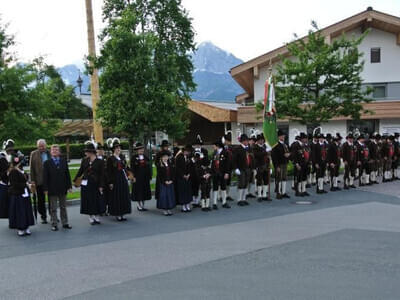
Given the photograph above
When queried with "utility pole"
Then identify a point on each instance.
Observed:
(94, 78)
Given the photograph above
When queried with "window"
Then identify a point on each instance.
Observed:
(364, 126)
(375, 55)
(379, 91)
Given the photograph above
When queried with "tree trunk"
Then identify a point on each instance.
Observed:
(130, 147)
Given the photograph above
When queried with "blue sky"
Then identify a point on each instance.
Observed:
(56, 29)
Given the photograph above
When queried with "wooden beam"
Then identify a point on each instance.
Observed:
(328, 39)
(398, 38)
(94, 78)
(256, 72)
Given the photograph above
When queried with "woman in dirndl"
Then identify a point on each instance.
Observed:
(117, 177)
(142, 171)
(166, 177)
(4, 166)
(91, 172)
(20, 208)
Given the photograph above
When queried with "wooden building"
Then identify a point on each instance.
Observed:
(381, 48)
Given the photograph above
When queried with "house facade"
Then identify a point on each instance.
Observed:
(381, 53)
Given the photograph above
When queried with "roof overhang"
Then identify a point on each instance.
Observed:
(212, 112)
(380, 109)
(245, 73)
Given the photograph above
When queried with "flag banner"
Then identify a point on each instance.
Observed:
(269, 123)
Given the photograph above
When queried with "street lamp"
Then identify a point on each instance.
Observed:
(79, 81)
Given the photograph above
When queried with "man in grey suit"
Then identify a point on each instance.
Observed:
(36, 162)
(56, 184)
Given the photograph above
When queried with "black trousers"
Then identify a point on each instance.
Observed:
(41, 202)
(244, 179)
(349, 169)
(334, 172)
(302, 173)
(219, 181)
(262, 177)
(205, 187)
(321, 170)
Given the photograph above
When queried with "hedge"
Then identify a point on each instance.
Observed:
(75, 150)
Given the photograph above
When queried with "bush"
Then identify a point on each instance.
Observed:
(75, 150)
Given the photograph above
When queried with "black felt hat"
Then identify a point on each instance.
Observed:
(188, 148)
(165, 143)
(138, 146)
(303, 135)
(260, 137)
(8, 145)
(89, 147)
(243, 137)
(219, 144)
(280, 133)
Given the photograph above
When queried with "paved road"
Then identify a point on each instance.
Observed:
(345, 246)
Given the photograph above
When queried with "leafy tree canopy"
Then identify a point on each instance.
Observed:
(319, 81)
(146, 68)
(33, 97)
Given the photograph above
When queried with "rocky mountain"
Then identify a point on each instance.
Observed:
(211, 74)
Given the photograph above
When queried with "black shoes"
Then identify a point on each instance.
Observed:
(229, 198)
(286, 196)
(353, 186)
(67, 226)
(250, 195)
(54, 228)
(226, 205)
(260, 199)
(279, 196)
(215, 207)
(44, 221)
(141, 209)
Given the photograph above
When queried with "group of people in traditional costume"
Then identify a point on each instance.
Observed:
(317, 160)
(188, 177)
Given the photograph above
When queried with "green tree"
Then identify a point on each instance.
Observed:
(320, 81)
(32, 97)
(61, 98)
(146, 68)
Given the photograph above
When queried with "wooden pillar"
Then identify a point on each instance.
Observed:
(94, 78)
(67, 147)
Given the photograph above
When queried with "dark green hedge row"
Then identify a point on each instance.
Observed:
(76, 150)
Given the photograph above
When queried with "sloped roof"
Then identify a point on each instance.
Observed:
(75, 128)
(245, 72)
(215, 111)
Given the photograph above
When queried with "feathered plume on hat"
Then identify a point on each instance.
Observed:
(239, 133)
(226, 137)
(113, 143)
(9, 144)
(356, 133)
(198, 140)
(90, 146)
(317, 131)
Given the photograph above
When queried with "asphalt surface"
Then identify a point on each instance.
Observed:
(344, 246)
